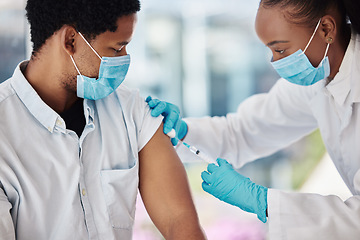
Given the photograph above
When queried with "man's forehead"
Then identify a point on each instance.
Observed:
(124, 32)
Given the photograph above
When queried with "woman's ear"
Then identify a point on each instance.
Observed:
(68, 37)
(328, 29)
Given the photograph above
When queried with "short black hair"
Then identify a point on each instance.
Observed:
(352, 10)
(90, 17)
(307, 12)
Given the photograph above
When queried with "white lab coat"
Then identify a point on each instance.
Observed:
(266, 123)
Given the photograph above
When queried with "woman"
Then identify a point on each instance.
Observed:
(317, 57)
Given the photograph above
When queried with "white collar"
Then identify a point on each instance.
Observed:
(37, 107)
(27, 94)
(341, 85)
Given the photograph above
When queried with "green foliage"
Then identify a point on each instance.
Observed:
(305, 162)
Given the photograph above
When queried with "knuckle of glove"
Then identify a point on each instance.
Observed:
(162, 107)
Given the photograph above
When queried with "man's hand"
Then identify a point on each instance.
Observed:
(229, 186)
(172, 118)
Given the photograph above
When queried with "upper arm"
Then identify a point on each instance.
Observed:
(6, 224)
(165, 191)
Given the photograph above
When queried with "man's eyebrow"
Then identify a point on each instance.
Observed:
(275, 42)
(122, 43)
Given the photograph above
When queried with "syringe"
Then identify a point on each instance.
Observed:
(197, 152)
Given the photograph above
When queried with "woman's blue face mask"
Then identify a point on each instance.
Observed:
(297, 69)
(112, 73)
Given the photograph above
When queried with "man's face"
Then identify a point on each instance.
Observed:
(108, 44)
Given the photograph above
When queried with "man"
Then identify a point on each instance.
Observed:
(75, 145)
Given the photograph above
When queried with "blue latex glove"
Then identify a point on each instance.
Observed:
(171, 120)
(229, 186)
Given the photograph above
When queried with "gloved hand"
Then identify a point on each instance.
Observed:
(229, 186)
(171, 120)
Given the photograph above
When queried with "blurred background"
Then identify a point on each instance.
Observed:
(204, 56)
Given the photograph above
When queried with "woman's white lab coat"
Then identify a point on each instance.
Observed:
(269, 122)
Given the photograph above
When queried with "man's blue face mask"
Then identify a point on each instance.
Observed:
(112, 73)
(297, 69)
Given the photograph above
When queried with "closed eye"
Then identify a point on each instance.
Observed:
(279, 51)
(119, 50)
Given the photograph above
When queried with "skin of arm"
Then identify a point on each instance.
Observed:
(165, 190)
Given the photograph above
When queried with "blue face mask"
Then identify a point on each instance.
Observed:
(112, 73)
(296, 68)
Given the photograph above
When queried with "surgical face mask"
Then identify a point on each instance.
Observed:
(296, 68)
(112, 73)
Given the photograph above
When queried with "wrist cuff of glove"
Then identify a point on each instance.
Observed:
(262, 204)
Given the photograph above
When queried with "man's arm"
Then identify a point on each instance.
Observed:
(165, 191)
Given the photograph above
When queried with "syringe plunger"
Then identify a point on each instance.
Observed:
(172, 133)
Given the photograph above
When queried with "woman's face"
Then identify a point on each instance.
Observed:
(284, 38)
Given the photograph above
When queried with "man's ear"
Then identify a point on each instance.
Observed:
(328, 29)
(68, 37)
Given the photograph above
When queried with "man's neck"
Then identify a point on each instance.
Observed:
(45, 78)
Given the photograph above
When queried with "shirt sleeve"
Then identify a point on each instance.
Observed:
(6, 224)
(262, 125)
(149, 124)
(141, 125)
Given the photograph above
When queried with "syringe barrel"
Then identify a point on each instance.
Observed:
(198, 153)
(194, 150)
(205, 157)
